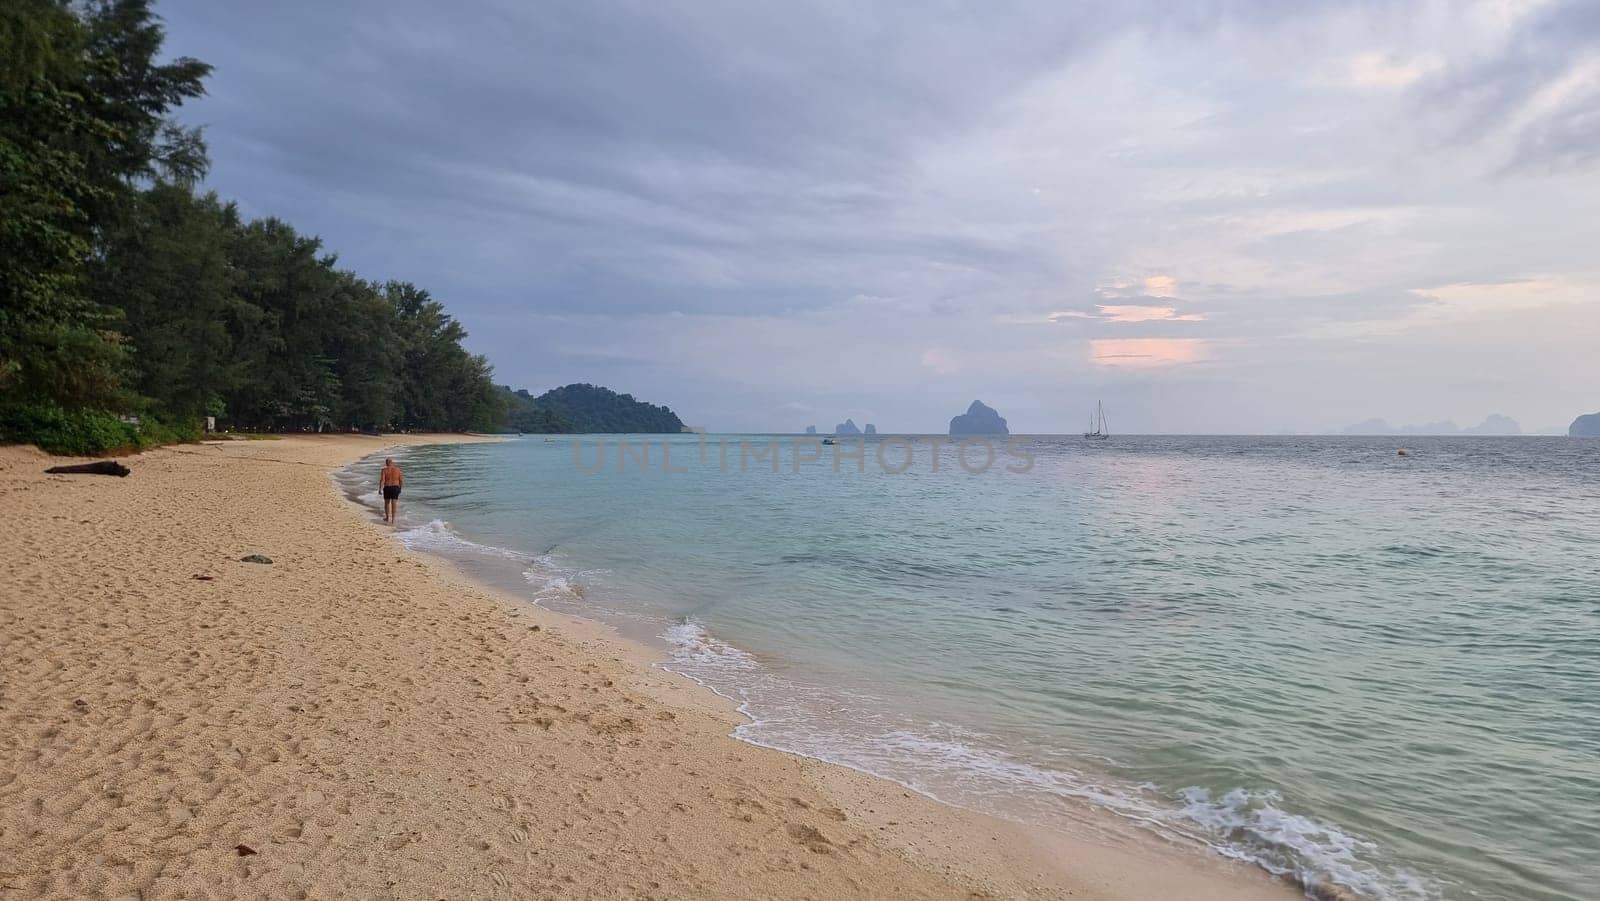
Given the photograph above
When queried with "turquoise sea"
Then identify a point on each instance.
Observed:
(1341, 663)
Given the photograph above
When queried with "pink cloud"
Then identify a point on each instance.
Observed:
(1145, 352)
(1161, 286)
(1145, 313)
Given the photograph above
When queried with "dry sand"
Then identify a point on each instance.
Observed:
(356, 721)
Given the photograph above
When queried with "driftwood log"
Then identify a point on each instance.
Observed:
(102, 468)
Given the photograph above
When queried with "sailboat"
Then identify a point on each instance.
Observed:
(1097, 424)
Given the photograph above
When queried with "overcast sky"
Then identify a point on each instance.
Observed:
(1243, 217)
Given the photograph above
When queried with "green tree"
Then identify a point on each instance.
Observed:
(476, 405)
(525, 414)
(365, 343)
(55, 344)
(292, 382)
(132, 95)
(84, 117)
(167, 267)
(443, 387)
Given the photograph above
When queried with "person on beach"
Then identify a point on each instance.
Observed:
(389, 483)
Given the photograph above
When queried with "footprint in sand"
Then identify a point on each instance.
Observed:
(811, 837)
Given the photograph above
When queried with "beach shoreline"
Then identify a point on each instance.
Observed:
(368, 727)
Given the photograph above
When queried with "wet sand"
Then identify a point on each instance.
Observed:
(353, 720)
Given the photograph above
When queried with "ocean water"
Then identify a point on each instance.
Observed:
(1342, 664)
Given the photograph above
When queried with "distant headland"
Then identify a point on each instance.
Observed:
(585, 409)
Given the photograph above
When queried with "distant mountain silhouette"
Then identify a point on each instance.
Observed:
(1494, 424)
(848, 427)
(1585, 426)
(811, 430)
(979, 420)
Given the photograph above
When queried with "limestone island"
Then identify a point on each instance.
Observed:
(979, 420)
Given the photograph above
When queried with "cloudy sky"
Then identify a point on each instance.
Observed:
(1218, 216)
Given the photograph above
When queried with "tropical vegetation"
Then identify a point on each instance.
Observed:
(131, 305)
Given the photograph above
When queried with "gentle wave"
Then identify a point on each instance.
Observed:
(960, 767)
(957, 766)
(550, 580)
(436, 536)
(1248, 825)
(695, 650)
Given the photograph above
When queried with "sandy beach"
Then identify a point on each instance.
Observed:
(353, 720)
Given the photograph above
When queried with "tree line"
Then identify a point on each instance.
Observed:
(124, 291)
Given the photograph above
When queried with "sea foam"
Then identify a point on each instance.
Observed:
(960, 766)
(436, 536)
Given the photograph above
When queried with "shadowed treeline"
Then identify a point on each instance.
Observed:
(126, 292)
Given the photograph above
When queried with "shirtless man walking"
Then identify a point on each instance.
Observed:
(390, 482)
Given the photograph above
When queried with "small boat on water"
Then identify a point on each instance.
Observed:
(1097, 424)
(829, 441)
